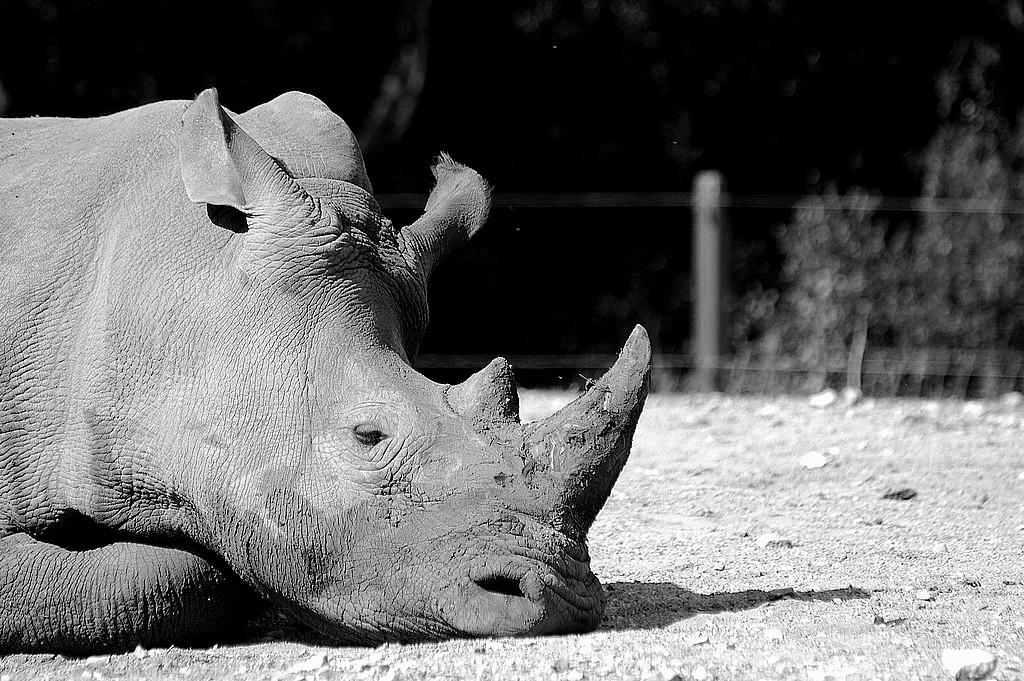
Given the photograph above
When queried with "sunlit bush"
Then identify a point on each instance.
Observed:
(950, 275)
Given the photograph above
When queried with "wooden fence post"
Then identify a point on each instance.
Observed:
(709, 259)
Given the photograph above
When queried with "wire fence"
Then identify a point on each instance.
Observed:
(897, 204)
(925, 372)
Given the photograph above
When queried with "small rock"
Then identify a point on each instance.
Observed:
(699, 674)
(939, 547)
(310, 664)
(697, 639)
(823, 399)
(769, 410)
(574, 675)
(772, 540)
(669, 674)
(773, 634)
(900, 494)
(1012, 399)
(851, 396)
(140, 652)
(969, 665)
(561, 665)
(813, 460)
(783, 592)
(332, 675)
(973, 409)
(1020, 476)
(924, 595)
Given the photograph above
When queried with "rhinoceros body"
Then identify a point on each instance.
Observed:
(206, 400)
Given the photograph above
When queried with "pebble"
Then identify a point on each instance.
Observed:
(774, 541)
(813, 460)
(924, 595)
(1012, 399)
(696, 639)
(773, 634)
(851, 395)
(971, 664)
(974, 409)
(823, 399)
(900, 494)
(310, 664)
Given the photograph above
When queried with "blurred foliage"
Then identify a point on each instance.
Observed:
(947, 279)
(843, 99)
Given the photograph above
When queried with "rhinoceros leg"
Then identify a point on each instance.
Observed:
(113, 597)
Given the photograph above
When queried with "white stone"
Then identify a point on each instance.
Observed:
(974, 409)
(696, 639)
(971, 664)
(1012, 399)
(310, 664)
(813, 460)
(823, 399)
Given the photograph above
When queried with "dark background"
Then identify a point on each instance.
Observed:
(783, 97)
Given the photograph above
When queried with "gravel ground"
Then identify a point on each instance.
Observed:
(748, 538)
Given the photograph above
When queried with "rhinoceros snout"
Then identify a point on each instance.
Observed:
(516, 600)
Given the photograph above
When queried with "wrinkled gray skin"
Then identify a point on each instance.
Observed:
(206, 400)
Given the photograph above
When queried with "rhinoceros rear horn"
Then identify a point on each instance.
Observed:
(587, 442)
(222, 165)
(456, 208)
(489, 397)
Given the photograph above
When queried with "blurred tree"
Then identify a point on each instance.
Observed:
(964, 274)
(782, 96)
(954, 279)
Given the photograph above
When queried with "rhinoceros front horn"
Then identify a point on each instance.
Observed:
(587, 442)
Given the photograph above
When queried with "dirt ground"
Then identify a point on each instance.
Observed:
(729, 552)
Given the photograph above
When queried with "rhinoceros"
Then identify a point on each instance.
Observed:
(208, 406)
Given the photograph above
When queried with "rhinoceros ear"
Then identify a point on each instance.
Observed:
(223, 166)
(456, 208)
(311, 140)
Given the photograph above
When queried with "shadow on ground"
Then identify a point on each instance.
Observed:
(642, 605)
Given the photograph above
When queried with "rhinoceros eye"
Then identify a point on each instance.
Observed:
(368, 434)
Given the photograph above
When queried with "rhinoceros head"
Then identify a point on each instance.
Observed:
(365, 499)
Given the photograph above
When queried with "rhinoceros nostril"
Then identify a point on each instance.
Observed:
(501, 585)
